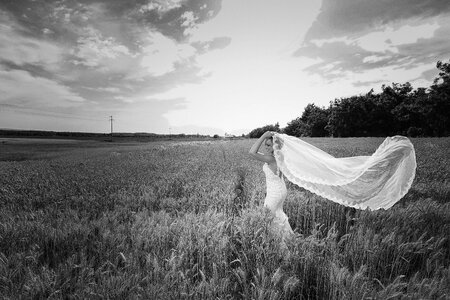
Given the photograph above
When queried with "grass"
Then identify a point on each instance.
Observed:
(171, 220)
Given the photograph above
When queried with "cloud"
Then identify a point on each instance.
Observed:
(102, 55)
(369, 84)
(351, 18)
(21, 50)
(188, 21)
(138, 39)
(430, 75)
(161, 7)
(389, 38)
(174, 19)
(20, 88)
(396, 38)
(108, 89)
(430, 50)
(94, 50)
(339, 58)
(160, 54)
(136, 84)
(214, 44)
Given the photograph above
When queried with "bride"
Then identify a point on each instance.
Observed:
(373, 182)
(276, 188)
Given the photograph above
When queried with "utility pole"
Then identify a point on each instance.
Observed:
(111, 121)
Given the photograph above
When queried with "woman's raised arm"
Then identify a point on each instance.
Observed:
(254, 149)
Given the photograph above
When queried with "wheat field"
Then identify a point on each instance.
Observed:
(184, 220)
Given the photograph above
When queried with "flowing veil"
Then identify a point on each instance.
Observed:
(376, 181)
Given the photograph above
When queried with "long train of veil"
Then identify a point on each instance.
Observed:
(376, 181)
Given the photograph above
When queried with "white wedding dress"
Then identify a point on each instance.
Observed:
(376, 181)
(275, 196)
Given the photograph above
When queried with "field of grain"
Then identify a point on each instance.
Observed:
(183, 220)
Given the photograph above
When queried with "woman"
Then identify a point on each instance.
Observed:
(364, 182)
(275, 185)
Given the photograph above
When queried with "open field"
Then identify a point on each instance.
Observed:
(171, 220)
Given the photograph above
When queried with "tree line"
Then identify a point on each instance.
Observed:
(397, 109)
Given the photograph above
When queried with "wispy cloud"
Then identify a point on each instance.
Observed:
(216, 43)
(20, 88)
(368, 84)
(357, 18)
(21, 49)
(356, 36)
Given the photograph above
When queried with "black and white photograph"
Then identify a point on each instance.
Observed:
(224, 149)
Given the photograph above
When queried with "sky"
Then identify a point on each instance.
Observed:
(205, 66)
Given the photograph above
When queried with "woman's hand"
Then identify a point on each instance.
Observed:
(268, 134)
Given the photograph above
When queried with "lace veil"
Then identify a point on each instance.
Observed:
(376, 181)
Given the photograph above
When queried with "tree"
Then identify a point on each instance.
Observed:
(408, 114)
(258, 132)
(296, 128)
(316, 120)
(313, 122)
(391, 100)
(438, 109)
(349, 117)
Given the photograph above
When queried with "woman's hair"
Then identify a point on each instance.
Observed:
(277, 142)
(269, 139)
